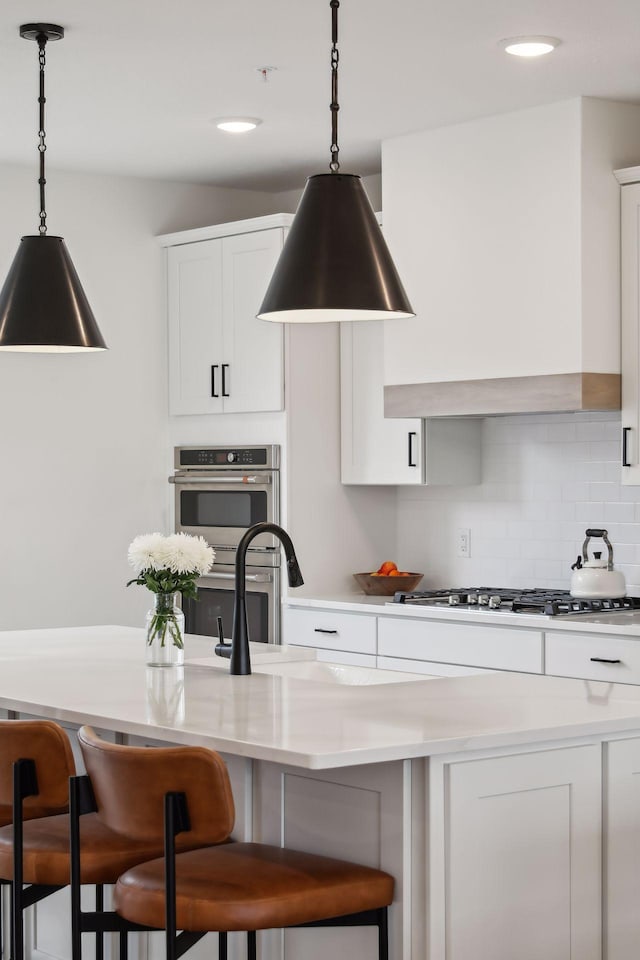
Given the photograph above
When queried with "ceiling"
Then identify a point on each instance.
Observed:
(135, 83)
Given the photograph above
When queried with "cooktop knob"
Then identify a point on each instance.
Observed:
(454, 599)
(483, 599)
(495, 603)
(232, 457)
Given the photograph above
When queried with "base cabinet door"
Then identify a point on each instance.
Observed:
(515, 857)
(622, 850)
(362, 814)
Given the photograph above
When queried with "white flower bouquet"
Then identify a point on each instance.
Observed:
(168, 565)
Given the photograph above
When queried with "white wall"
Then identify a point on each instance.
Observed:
(83, 439)
(545, 480)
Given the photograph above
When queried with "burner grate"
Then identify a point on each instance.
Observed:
(548, 602)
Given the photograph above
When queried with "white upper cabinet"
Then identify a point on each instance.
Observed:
(373, 450)
(505, 231)
(195, 327)
(630, 275)
(253, 348)
(379, 450)
(221, 358)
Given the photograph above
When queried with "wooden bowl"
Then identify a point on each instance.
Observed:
(386, 586)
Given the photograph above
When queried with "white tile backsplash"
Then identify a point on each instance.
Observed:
(546, 478)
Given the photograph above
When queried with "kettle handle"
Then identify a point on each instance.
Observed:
(593, 532)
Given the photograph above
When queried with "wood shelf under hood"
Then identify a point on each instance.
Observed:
(552, 393)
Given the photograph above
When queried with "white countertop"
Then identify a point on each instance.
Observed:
(98, 675)
(624, 624)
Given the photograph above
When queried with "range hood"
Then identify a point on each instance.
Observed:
(553, 393)
(506, 231)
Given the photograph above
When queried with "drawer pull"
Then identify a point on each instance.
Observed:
(603, 660)
(320, 630)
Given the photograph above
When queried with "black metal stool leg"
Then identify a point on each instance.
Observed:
(222, 946)
(99, 933)
(11, 944)
(251, 945)
(383, 935)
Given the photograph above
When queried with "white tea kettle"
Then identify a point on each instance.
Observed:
(596, 579)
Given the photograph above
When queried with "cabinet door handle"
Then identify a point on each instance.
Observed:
(224, 379)
(603, 660)
(625, 447)
(320, 630)
(410, 460)
(214, 367)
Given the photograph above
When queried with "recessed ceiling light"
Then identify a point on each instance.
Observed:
(237, 124)
(529, 46)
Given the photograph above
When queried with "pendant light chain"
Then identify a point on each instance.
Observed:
(334, 166)
(42, 42)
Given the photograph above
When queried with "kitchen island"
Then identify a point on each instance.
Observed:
(494, 800)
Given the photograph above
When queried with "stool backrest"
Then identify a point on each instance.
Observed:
(47, 744)
(129, 785)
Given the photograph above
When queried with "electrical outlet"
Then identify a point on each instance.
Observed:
(463, 542)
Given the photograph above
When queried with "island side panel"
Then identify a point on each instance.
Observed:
(515, 843)
(622, 849)
(364, 814)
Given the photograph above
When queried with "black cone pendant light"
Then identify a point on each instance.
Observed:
(43, 307)
(335, 264)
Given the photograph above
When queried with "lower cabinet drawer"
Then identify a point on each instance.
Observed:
(330, 630)
(590, 657)
(468, 644)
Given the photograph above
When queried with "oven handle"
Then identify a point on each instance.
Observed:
(250, 577)
(254, 478)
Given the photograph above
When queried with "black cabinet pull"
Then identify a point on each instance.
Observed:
(410, 460)
(214, 367)
(320, 630)
(625, 449)
(603, 660)
(224, 379)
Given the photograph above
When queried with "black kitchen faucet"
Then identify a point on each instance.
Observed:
(238, 649)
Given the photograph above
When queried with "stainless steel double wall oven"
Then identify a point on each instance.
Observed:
(219, 493)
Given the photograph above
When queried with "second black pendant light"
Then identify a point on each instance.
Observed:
(43, 307)
(335, 264)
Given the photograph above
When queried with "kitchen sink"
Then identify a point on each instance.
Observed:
(339, 673)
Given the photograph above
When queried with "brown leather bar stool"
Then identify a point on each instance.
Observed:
(116, 814)
(36, 762)
(234, 886)
(108, 848)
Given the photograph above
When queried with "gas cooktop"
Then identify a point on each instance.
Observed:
(548, 602)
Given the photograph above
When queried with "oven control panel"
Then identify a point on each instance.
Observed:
(220, 457)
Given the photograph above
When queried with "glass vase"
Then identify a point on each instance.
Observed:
(165, 632)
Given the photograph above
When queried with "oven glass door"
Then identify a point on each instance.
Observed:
(216, 599)
(222, 511)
